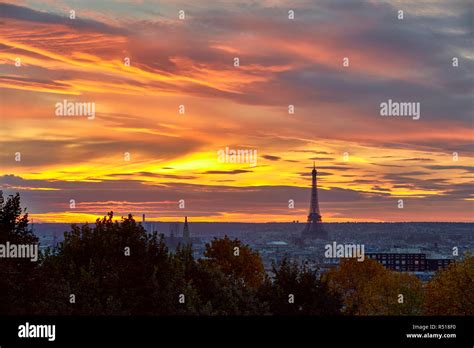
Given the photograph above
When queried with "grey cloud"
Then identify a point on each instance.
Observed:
(271, 158)
(236, 171)
(27, 14)
(33, 151)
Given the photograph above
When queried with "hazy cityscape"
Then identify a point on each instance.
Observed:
(274, 241)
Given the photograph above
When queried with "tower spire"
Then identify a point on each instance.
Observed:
(186, 228)
(314, 225)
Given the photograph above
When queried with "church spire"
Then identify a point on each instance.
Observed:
(186, 228)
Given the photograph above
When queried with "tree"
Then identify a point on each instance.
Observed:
(368, 288)
(16, 274)
(296, 290)
(449, 292)
(113, 268)
(236, 260)
(92, 265)
(221, 294)
(14, 222)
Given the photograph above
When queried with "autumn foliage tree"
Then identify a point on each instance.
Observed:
(237, 260)
(368, 288)
(450, 291)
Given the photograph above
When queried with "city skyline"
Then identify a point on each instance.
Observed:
(366, 162)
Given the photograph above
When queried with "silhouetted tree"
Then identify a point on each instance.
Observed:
(449, 292)
(14, 222)
(17, 275)
(236, 260)
(296, 290)
(115, 268)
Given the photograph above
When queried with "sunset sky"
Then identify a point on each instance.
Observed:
(283, 62)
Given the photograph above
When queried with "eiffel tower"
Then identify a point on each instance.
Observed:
(314, 227)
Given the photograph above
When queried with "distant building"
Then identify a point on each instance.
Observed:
(409, 262)
(186, 228)
(174, 229)
(173, 240)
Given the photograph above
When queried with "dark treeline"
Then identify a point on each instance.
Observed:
(117, 268)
